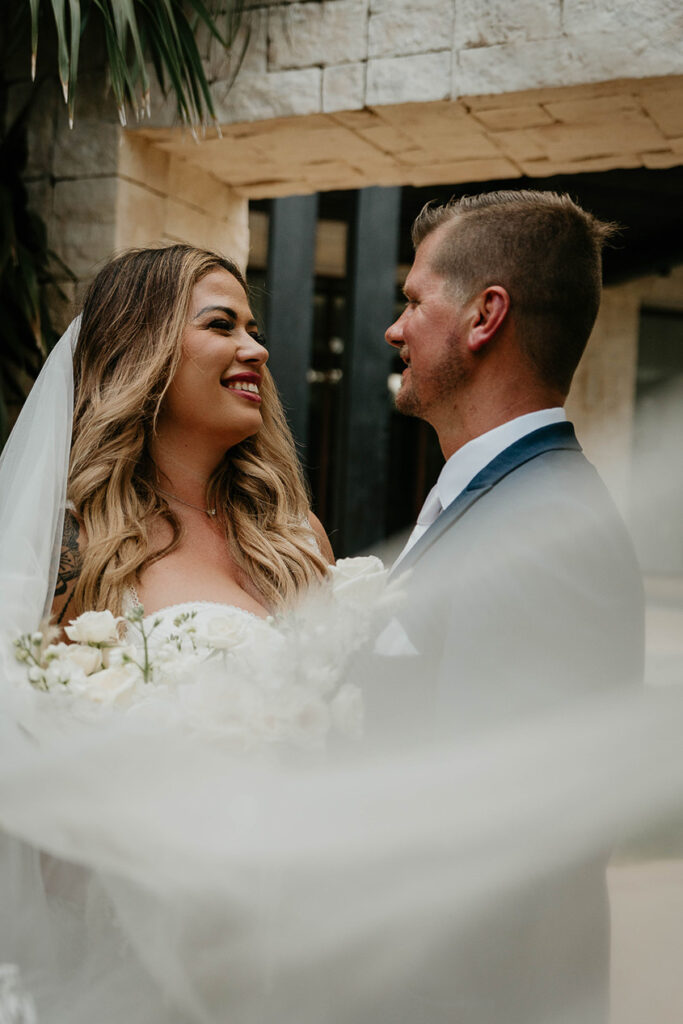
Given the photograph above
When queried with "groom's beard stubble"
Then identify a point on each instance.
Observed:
(439, 386)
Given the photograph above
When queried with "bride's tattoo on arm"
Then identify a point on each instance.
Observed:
(69, 563)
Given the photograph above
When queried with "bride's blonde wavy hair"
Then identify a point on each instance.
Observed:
(129, 348)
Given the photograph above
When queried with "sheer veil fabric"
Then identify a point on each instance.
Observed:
(151, 877)
(33, 475)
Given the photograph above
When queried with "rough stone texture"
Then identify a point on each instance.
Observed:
(343, 87)
(330, 32)
(533, 132)
(281, 94)
(250, 47)
(482, 25)
(414, 29)
(601, 398)
(162, 197)
(562, 60)
(419, 78)
(83, 222)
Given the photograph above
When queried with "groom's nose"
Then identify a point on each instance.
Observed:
(394, 334)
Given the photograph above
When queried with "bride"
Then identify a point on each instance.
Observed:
(184, 485)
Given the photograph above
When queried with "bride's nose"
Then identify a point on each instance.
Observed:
(252, 350)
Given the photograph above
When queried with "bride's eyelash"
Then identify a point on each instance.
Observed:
(261, 338)
(222, 325)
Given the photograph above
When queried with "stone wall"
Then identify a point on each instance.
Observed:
(319, 57)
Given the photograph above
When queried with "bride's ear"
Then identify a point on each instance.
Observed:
(490, 309)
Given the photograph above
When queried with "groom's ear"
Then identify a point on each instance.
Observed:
(489, 312)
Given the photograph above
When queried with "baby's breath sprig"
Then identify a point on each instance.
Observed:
(136, 617)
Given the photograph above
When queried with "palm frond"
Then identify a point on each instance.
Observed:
(137, 32)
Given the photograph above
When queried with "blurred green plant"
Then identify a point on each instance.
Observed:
(136, 35)
(27, 267)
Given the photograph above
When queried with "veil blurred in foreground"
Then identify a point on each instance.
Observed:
(156, 876)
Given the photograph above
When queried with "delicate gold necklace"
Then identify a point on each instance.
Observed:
(210, 512)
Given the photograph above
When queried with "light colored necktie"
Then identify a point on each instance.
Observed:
(429, 513)
(431, 509)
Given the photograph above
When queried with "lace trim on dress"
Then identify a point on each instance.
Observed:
(131, 599)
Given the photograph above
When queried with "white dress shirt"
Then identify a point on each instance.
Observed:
(466, 462)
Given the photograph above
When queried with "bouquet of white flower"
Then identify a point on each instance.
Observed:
(220, 670)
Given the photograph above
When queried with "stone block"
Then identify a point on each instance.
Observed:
(40, 193)
(665, 107)
(140, 216)
(419, 78)
(456, 171)
(42, 124)
(143, 162)
(387, 138)
(327, 144)
(224, 64)
(531, 115)
(522, 144)
(480, 24)
(662, 159)
(329, 32)
(546, 168)
(567, 60)
(594, 109)
(628, 134)
(418, 28)
(343, 87)
(276, 94)
(661, 17)
(273, 189)
(83, 222)
(357, 119)
(90, 147)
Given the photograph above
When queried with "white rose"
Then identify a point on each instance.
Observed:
(88, 659)
(348, 711)
(109, 686)
(112, 657)
(360, 579)
(224, 632)
(311, 723)
(94, 628)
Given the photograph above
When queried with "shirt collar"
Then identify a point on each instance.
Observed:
(463, 465)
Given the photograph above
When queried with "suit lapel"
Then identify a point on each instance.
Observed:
(554, 437)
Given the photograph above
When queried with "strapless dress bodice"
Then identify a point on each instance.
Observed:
(205, 618)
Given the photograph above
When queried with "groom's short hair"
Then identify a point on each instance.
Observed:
(543, 249)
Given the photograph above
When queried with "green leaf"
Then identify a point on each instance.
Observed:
(59, 11)
(75, 17)
(35, 4)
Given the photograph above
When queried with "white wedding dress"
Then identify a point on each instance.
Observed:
(155, 873)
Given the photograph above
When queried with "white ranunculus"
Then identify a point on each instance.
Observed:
(223, 632)
(348, 711)
(109, 686)
(94, 628)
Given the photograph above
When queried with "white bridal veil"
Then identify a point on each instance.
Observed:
(152, 878)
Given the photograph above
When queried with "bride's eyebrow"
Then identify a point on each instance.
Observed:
(220, 309)
(228, 312)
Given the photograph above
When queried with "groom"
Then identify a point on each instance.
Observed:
(524, 593)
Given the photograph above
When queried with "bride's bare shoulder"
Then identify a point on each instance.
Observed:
(321, 537)
(70, 563)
